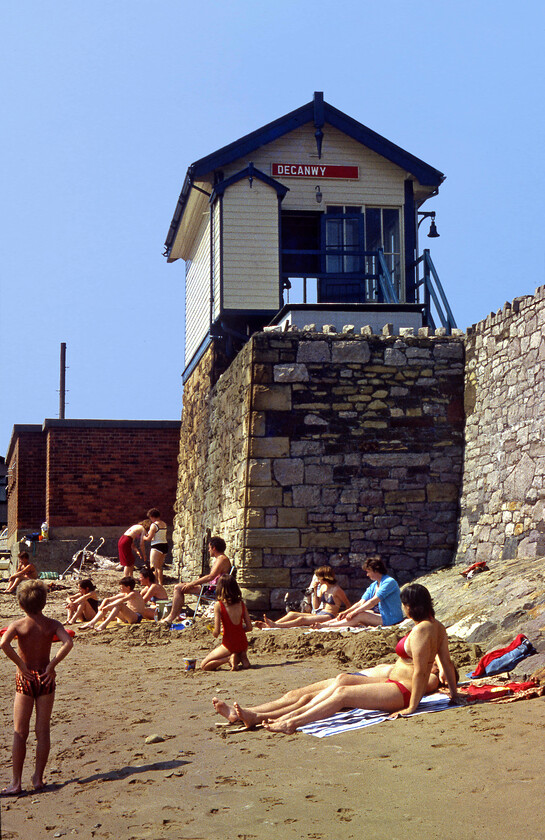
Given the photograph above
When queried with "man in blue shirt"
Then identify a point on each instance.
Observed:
(380, 604)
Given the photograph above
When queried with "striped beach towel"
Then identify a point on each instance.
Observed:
(358, 718)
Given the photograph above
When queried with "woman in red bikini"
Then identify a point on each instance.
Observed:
(231, 615)
(395, 689)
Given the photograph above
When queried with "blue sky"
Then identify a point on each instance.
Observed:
(105, 104)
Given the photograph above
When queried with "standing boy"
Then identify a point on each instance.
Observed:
(34, 679)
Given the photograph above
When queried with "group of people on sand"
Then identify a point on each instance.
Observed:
(423, 660)
(379, 605)
(152, 530)
(129, 605)
(35, 633)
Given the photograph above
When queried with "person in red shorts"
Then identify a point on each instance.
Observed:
(133, 538)
(35, 678)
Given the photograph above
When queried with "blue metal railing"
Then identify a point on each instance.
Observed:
(385, 280)
(433, 292)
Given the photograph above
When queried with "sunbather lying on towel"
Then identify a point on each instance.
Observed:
(400, 688)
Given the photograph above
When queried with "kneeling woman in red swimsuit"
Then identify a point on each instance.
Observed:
(407, 680)
(231, 614)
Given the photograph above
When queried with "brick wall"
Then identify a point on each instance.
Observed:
(26, 479)
(83, 475)
(353, 445)
(503, 499)
(108, 474)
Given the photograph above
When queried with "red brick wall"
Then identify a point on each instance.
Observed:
(110, 476)
(26, 482)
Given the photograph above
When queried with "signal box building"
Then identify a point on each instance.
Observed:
(310, 434)
(312, 216)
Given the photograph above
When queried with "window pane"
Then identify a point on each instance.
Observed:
(334, 233)
(373, 237)
(391, 231)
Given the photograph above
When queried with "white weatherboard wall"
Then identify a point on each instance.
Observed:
(380, 182)
(197, 294)
(250, 246)
(216, 258)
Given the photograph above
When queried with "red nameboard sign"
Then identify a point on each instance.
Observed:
(314, 170)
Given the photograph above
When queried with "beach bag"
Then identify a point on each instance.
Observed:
(504, 659)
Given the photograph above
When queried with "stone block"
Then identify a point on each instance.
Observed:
(444, 492)
(253, 558)
(351, 352)
(288, 471)
(259, 472)
(450, 350)
(291, 373)
(317, 539)
(272, 538)
(306, 497)
(394, 357)
(272, 398)
(398, 497)
(318, 474)
(313, 351)
(255, 518)
(260, 578)
(292, 517)
(270, 447)
(265, 497)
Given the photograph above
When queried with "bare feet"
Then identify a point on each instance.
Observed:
(225, 710)
(248, 718)
(37, 783)
(286, 727)
(268, 622)
(12, 790)
(260, 625)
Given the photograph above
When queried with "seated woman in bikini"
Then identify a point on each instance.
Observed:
(151, 591)
(327, 600)
(395, 689)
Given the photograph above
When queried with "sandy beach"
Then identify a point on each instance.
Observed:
(464, 772)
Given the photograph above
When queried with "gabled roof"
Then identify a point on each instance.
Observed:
(250, 172)
(320, 113)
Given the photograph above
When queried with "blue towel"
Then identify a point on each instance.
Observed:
(358, 718)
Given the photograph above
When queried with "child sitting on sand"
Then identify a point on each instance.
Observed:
(83, 606)
(25, 571)
(231, 613)
(34, 679)
(128, 605)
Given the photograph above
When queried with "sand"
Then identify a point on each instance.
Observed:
(457, 774)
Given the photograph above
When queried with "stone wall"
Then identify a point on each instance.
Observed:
(503, 499)
(213, 460)
(318, 448)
